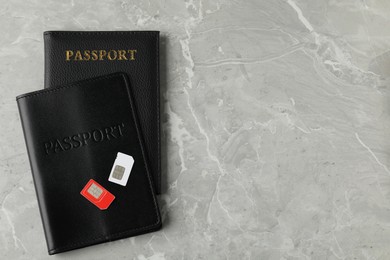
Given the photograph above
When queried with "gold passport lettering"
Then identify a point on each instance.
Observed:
(94, 55)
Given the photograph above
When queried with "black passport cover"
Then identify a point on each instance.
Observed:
(141, 66)
(60, 171)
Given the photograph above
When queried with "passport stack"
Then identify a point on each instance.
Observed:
(95, 122)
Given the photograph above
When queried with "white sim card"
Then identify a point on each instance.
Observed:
(121, 169)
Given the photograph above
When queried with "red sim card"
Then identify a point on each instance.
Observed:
(98, 195)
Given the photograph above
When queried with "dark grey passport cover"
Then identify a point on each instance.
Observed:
(73, 134)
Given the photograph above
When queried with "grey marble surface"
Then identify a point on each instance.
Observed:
(275, 126)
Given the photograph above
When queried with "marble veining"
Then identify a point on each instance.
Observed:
(275, 117)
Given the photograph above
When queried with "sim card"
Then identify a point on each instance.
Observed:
(121, 169)
(97, 195)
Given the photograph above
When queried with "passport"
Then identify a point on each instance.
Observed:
(73, 135)
(76, 55)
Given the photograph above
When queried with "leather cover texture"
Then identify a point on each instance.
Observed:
(100, 54)
(73, 134)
